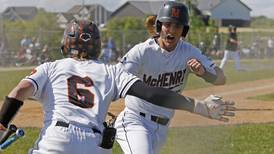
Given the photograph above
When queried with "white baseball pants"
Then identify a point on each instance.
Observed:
(67, 140)
(137, 134)
(236, 57)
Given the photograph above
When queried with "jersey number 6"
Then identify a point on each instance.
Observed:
(77, 96)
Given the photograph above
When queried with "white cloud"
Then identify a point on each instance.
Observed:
(261, 7)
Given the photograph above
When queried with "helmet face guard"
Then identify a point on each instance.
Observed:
(81, 36)
(173, 12)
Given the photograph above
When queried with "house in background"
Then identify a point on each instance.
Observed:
(63, 19)
(19, 13)
(205, 6)
(137, 9)
(95, 12)
(226, 12)
(223, 12)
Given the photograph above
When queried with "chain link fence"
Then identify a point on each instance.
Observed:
(253, 44)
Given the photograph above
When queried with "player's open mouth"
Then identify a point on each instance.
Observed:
(170, 38)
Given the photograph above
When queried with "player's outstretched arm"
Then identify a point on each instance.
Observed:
(212, 107)
(14, 101)
(197, 68)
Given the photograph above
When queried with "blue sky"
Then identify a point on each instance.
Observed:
(259, 7)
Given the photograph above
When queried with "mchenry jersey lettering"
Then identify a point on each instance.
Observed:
(78, 91)
(157, 67)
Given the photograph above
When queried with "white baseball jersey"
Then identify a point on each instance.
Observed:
(78, 91)
(157, 67)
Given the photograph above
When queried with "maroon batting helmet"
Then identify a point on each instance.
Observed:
(173, 12)
(81, 36)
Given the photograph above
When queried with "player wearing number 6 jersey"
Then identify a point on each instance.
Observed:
(76, 92)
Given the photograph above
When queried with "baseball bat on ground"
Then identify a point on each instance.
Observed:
(11, 129)
(19, 133)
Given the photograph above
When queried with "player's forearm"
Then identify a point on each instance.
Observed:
(217, 79)
(221, 79)
(173, 100)
(14, 101)
(22, 91)
(161, 96)
(9, 109)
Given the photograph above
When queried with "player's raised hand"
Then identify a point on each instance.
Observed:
(196, 67)
(215, 108)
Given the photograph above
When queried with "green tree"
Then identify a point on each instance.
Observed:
(44, 26)
(125, 31)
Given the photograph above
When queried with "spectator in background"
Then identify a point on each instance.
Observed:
(112, 47)
(2, 46)
(25, 42)
(254, 50)
(29, 54)
(231, 49)
(36, 46)
(261, 48)
(114, 55)
(203, 47)
(111, 44)
(106, 53)
(3, 52)
(20, 57)
(44, 57)
(270, 47)
(216, 44)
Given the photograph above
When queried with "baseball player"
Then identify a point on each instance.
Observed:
(162, 61)
(75, 93)
(232, 48)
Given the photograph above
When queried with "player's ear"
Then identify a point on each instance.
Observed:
(62, 49)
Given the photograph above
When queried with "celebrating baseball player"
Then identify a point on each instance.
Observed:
(76, 91)
(162, 61)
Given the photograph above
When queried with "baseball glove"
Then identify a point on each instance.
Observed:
(215, 108)
(150, 25)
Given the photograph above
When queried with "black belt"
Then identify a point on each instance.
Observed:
(159, 120)
(64, 124)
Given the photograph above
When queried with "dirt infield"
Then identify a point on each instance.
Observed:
(250, 111)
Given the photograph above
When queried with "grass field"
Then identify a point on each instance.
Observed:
(228, 139)
(267, 97)
(255, 70)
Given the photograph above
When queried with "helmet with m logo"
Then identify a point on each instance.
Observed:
(173, 12)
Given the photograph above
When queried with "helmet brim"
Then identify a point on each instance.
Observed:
(169, 19)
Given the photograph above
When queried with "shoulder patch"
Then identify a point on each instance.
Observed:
(33, 71)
